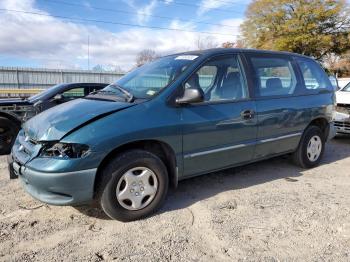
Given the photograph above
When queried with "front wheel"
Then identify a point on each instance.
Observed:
(133, 185)
(8, 133)
(311, 148)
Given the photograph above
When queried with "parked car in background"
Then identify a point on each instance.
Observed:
(342, 114)
(180, 116)
(13, 112)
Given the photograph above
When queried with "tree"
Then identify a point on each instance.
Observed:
(146, 56)
(315, 28)
(238, 44)
(338, 65)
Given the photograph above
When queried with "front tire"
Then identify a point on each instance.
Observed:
(133, 185)
(311, 148)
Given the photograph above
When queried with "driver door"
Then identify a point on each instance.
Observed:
(221, 131)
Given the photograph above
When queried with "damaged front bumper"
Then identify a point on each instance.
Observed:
(342, 122)
(51, 180)
(69, 188)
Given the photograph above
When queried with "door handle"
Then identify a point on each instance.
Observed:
(247, 114)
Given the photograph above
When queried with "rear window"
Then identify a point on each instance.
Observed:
(315, 77)
(275, 76)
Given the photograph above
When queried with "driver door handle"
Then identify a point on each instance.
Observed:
(247, 114)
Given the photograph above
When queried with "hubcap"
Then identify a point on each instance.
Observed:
(137, 188)
(314, 148)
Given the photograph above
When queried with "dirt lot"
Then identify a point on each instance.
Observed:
(269, 211)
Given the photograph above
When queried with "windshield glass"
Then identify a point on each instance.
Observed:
(148, 80)
(346, 88)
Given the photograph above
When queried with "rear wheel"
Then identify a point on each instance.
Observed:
(133, 185)
(8, 132)
(311, 148)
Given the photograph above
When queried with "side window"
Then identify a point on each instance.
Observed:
(275, 76)
(74, 93)
(220, 79)
(206, 76)
(314, 76)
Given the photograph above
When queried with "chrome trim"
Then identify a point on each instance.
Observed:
(216, 150)
(241, 145)
(279, 138)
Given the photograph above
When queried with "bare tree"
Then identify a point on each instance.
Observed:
(237, 44)
(146, 56)
(205, 42)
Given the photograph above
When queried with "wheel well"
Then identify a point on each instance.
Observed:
(12, 118)
(322, 123)
(160, 149)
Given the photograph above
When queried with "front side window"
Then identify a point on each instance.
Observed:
(275, 76)
(220, 79)
(314, 76)
(149, 79)
(74, 93)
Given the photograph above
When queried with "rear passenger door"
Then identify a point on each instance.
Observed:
(280, 111)
(219, 132)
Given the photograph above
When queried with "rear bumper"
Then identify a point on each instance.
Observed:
(69, 188)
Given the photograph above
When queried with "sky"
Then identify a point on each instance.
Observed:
(110, 32)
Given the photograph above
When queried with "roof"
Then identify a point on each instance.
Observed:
(215, 51)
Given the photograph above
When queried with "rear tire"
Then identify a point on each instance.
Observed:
(8, 132)
(133, 185)
(311, 148)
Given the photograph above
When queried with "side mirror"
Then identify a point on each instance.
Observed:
(190, 96)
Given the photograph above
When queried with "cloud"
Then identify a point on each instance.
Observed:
(208, 5)
(58, 43)
(144, 12)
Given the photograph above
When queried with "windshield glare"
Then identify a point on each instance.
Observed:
(149, 79)
(347, 88)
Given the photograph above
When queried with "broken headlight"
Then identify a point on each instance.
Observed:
(64, 150)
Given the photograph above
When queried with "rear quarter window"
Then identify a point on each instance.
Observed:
(274, 76)
(315, 78)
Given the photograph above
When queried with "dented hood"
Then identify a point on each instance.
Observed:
(55, 123)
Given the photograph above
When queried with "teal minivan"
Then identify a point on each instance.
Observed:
(180, 116)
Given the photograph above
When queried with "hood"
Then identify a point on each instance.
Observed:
(55, 123)
(342, 97)
(13, 101)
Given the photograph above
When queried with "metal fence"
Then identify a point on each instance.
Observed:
(29, 78)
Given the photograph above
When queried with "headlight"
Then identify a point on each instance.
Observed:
(63, 150)
(341, 108)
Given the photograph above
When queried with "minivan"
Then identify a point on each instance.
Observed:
(180, 116)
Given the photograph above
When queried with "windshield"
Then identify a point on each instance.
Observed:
(148, 80)
(346, 88)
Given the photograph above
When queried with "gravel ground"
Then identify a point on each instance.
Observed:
(268, 211)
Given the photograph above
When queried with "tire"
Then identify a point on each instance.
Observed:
(138, 195)
(311, 148)
(8, 132)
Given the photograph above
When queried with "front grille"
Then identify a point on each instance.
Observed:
(342, 126)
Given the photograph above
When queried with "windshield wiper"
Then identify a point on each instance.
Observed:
(130, 97)
(125, 92)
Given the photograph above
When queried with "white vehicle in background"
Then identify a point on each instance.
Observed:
(342, 115)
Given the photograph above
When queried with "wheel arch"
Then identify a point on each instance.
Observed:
(322, 123)
(161, 149)
(11, 117)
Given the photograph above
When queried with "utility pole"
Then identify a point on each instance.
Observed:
(88, 52)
